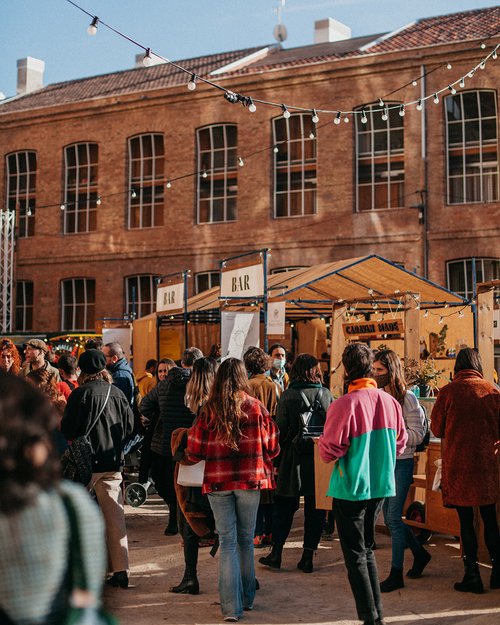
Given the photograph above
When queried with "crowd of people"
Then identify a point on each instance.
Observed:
(254, 425)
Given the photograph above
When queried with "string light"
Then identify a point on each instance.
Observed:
(251, 106)
(169, 184)
(419, 105)
(337, 118)
(426, 313)
(436, 98)
(63, 207)
(461, 314)
(482, 65)
(133, 194)
(440, 321)
(276, 149)
(494, 53)
(204, 174)
(98, 201)
(385, 115)
(363, 117)
(346, 119)
(192, 83)
(381, 103)
(147, 61)
(452, 89)
(312, 135)
(483, 45)
(402, 110)
(314, 118)
(448, 65)
(414, 83)
(241, 162)
(231, 97)
(286, 112)
(28, 212)
(471, 73)
(92, 27)
(462, 82)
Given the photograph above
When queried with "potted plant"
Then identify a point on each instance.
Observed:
(423, 374)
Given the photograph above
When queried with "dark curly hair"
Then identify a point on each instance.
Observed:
(256, 360)
(26, 419)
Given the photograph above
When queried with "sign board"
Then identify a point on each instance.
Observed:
(276, 318)
(243, 282)
(119, 335)
(170, 297)
(374, 329)
(239, 331)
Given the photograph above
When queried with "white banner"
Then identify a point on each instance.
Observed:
(170, 297)
(243, 282)
(239, 331)
(276, 318)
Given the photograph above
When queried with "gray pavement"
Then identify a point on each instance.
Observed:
(288, 595)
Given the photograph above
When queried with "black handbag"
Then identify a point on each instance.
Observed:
(76, 461)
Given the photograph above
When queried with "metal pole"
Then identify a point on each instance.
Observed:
(186, 338)
(264, 303)
(474, 297)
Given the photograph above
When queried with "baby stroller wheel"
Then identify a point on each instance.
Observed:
(136, 494)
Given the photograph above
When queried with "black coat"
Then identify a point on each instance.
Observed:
(113, 426)
(296, 470)
(165, 405)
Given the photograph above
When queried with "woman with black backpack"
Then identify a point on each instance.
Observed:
(300, 416)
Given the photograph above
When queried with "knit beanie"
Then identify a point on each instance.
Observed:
(92, 361)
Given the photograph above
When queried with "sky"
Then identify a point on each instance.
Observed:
(56, 32)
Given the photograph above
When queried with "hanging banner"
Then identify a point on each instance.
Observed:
(243, 282)
(239, 331)
(276, 318)
(170, 297)
(374, 329)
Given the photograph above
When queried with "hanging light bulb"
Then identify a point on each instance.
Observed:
(402, 110)
(419, 105)
(494, 54)
(337, 118)
(286, 112)
(314, 118)
(462, 82)
(426, 313)
(436, 98)
(192, 83)
(414, 83)
(448, 65)
(133, 194)
(385, 115)
(63, 207)
(461, 314)
(482, 65)
(441, 319)
(204, 174)
(241, 162)
(364, 119)
(483, 45)
(471, 73)
(169, 184)
(92, 27)
(251, 106)
(312, 135)
(346, 120)
(28, 211)
(276, 149)
(452, 89)
(381, 103)
(231, 97)
(147, 60)
(98, 201)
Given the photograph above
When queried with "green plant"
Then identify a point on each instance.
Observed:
(422, 372)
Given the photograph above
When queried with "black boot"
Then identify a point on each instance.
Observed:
(188, 586)
(420, 560)
(495, 575)
(306, 562)
(472, 579)
(273, 559)
(393, 582)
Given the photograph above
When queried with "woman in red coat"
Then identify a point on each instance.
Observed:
(466, 414)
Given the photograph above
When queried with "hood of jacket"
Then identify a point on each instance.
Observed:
(178, 376)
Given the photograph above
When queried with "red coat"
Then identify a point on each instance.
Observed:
(467, 416)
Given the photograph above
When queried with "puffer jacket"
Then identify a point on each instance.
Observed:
(113, 426)
(165, 406)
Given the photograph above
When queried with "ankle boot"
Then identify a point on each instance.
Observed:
(188, 586)
(420, 560)
(472, 579)
(393, 582)
(306, 561)
(273, 559)
(495, 575)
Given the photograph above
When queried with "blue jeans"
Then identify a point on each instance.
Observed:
(235, 513)
(401, 534)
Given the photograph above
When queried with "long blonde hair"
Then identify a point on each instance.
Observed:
(225, 401)
(200, 383)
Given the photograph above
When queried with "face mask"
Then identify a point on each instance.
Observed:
(279, 363)
(382, 380)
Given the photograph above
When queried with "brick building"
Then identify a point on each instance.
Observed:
(117, 179)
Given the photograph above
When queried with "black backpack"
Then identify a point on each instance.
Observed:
(313, 421)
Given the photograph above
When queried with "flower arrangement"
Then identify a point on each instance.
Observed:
(423, 373)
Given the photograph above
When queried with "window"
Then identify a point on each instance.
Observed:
(218, 179)
(80, 188)
(380, 168)
(287, 269)
(24, 306)
(78, 305)
(146, 181)
(206, 280)
(140, 294)
(294, 166)
(459, 274)
(21, 189)
(472, 146)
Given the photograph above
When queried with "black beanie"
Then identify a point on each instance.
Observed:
(92, 361)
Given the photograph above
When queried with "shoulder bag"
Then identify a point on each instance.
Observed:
(76, 461)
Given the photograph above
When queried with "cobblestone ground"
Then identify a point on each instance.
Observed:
(288, 595)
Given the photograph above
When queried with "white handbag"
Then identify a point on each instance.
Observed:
(191, 474)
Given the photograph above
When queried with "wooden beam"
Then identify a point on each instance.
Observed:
(337, 346)
(485, 342)
(412, 328)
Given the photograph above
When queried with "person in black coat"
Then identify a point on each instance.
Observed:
(97, 398)
(165, 406)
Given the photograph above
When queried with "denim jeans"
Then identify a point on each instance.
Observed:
(401, 534)
(351, 518)
(235, 513)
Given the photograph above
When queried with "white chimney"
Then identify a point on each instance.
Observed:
(330, 30)
(29, 75)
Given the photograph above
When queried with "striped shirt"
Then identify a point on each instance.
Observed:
(248, 468)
